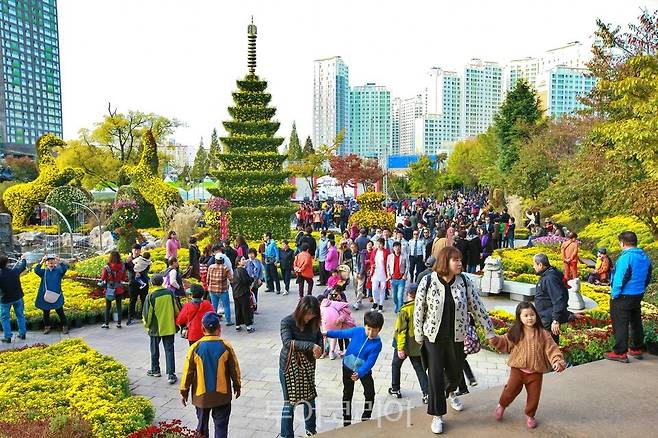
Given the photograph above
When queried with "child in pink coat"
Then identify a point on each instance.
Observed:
(335, 314)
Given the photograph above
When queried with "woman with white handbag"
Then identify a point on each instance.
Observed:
(49, 295)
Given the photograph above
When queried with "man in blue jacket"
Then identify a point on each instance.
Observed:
(11, 295)
(271, 260)
(630, 278)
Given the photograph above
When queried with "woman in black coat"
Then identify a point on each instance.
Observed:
(244, 313)
(473, 252)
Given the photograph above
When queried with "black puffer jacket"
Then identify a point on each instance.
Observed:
(551, 297)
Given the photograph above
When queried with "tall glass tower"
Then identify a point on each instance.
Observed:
(30, 86)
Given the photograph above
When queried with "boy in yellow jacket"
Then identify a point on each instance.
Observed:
(211, 368)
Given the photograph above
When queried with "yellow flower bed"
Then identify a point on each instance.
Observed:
(519, 260)
(70, 377)
(605, 232)
(47, 229)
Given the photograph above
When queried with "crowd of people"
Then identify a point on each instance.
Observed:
(418, 267)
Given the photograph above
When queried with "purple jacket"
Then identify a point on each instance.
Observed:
(331, 262)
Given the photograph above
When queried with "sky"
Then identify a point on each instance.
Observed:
(180, 58)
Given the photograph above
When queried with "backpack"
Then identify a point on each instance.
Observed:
(180, 292)
(111, 284)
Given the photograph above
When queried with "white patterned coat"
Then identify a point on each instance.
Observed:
(429, 307)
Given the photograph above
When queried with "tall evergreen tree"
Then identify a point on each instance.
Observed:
(512, 123)
(214, 151)
(308, 147)
(200, 167)
(294, 147)
(250, 175)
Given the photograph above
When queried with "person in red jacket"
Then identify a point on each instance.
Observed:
(192, 313)
(112, 278)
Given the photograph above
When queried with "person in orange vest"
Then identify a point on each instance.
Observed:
(569, 251)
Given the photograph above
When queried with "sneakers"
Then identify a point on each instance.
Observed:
(46, 330)
(455, 403)
(129, 322)
(437, 425)
(309, 433)
(426, 399)
(531, 422)
(332, 355)
(278, 292)
(499, 412)
(21, 337)
(285, 292)
(105, 326)
(635, 353)
(356, 306)
(172, 379)
(473, 383)
(395, 392)
(374, 306)
(118, 325)
(238, 328)
(381, 309)
(250, 329)
(459, 392)
(228, 324)
(6, 340)
(616, 357)
(153, 373)
(65, 330)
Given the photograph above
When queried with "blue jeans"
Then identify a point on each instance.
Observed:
(223, 296)
(510, 241)
(288, 413)
(19, 310)
(397, 290)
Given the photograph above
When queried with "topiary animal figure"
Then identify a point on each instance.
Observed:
(154, 190)
(22, 199)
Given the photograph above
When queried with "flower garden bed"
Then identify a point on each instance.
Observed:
(83, 299)
(70, 379)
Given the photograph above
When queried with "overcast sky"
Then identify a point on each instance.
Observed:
(181, 58)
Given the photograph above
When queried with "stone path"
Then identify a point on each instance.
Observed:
(256, 413)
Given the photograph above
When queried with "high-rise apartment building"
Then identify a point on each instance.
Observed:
(331, 100)
(370, 121)
(482, 95)
(30, 87)
(439, 127)
(396, 104)
(410, 110)
(565, 86)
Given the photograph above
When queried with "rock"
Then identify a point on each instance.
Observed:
(30, 238)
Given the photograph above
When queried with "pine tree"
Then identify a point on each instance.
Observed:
(308, 147)
(200, 167)
(294, 147)
(250, 174)
(214, 151)
(512, 123)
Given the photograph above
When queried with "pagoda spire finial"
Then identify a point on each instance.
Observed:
(251, 47)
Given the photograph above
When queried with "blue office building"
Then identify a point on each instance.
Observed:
(565, 86)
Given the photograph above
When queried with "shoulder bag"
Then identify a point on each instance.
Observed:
(471, 340)
(299, 377)
(49, 296)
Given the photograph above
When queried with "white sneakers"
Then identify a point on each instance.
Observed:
(437, 424)
(455, 403)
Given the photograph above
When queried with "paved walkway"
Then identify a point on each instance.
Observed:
(601, 399)
(256, 413)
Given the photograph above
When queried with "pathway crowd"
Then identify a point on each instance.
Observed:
(418, 268)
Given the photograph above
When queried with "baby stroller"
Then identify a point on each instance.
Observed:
(341, 286)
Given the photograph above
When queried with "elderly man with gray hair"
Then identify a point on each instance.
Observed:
(551, 296)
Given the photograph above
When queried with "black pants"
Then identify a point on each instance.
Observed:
(348, 391)
(469, 375)
(168, 344)
(301, 281)
(220, 415)
(272, 277)
(417, 363)
(547, 326)
(60, 313)
(343, 343)
(286, 274)
(625, 314)
(136, 292)
(323, 275)
(244, 314)
(415, 267)
(108, 309)
(444, 358)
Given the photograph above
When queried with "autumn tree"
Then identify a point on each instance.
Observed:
(23, 169)
(370, 173)
(345, 169)
(313, 165)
